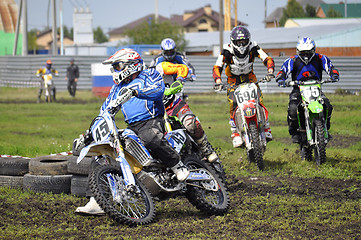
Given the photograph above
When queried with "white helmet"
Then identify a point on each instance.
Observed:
(125, 63)
(306, 49)
(168, 47)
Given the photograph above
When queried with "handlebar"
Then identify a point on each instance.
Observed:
(225, 86)
(292, 83)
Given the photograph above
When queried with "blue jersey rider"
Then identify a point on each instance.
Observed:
(306, 65)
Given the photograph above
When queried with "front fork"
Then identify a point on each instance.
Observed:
(244, 131)
(308, 127)
(128, 177)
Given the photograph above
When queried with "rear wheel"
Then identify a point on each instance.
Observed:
(320, 143)
(255, 154)
(199, 193)
(129, 204)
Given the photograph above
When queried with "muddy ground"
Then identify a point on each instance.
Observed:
(177, 218)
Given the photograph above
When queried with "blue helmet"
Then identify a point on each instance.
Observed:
(306, 49)
(168, 49)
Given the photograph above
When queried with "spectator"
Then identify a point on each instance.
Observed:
(72, 75)
(47, 72)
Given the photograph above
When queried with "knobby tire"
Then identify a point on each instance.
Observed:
(320, 144)
(207, 201)
(257, 151)
(130, 208)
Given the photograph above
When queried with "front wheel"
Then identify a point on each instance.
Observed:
(204, 197)
(129, 204)
(256, 153)
(306, 152)
(47, 94)
(320, 143)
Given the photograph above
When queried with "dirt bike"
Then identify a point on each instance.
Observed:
(250, 119)
(190, 146)
(173, 122)
(312, 120)
(48, 87)
(128, 180)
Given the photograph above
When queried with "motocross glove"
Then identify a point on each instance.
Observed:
(218, 87)
(192, 78)
(124, 96)
(281, 83)
(176, 87)
(335, 78)
(269, 77)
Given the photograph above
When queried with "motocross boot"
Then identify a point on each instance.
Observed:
(181, 171)
(91, 208)
(206, 149)
(236, 140)
(296, 138)
(267, 132)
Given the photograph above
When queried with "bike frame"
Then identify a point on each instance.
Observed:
(249, 108)
(107, 142)
(312, 106)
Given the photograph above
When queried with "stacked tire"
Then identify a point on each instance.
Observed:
(80, 172)
(12, 171)
(48, 174)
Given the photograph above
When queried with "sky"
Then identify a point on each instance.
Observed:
(111, 14)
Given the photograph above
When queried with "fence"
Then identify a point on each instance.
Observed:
(19, 71)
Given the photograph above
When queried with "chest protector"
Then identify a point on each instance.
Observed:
(240, 65)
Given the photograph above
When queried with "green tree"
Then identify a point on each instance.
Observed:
(310, 11)
(68, 33)
(99, 36)
(332, 13)
(32, 39)
(293, 10)
(153, 33)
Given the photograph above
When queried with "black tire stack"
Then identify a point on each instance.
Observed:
(52, 173)
(48, 174)
(80, 172)
(12, 171)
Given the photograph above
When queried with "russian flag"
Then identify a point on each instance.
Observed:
(102, 79)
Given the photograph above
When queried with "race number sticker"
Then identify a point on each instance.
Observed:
(246, 95)
(101, 131)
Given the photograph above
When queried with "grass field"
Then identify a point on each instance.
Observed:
(291, 199)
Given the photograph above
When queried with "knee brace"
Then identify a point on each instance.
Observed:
(193, 126)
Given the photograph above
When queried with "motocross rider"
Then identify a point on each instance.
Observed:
(138, 94)
(307, 65)
(238, 56)
(174, 99)
(47, 69)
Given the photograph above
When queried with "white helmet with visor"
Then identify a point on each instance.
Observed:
(125, 63)
(306, 49)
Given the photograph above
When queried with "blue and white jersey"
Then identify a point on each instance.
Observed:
(148, 104)
(300, 71)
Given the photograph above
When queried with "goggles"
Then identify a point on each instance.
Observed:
(120, 66)
(170, 52)
(241, 42)
(307, 53)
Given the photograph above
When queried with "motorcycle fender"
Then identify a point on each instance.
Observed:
(249, 110)
(315, 107)
(96, 149)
